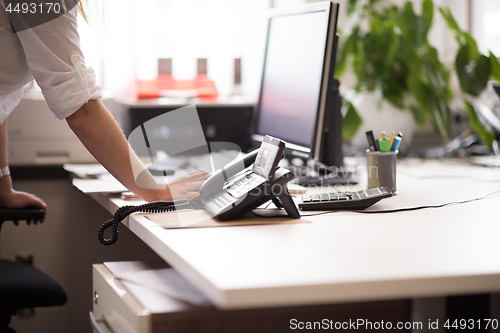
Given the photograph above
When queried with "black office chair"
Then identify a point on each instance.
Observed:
(23, 286)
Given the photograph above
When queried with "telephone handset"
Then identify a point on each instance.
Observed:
(233, 191)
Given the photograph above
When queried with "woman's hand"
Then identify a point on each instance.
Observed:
(183, 188)
(188, 187)
(8, 197)
(17, 199)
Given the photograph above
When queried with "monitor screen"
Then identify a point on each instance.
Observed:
(295, 77)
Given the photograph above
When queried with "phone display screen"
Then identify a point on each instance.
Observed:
(265, 161)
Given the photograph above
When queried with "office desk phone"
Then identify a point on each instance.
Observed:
(233, 191)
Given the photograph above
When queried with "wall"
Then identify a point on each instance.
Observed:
(125, 39)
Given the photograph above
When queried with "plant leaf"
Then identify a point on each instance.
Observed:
(461, 36)
(351, 122)
(346, 49)
(410, 25)
(450, 20)
(429, 102)
(473, 74)
(358, 59)
(393, 91)
(351, 6)
(495, 67)
(419, 116)
(473, 49)
(392, 40)
(420, 92)
(427, 15)
(441, 115)
(486, 136)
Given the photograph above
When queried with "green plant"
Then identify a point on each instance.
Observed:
(473, 70)
(393, 58)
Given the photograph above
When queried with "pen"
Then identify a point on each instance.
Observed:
(391, 140)
(395, 144)
(371, 141)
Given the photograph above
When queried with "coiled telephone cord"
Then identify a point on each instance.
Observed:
(151, 207)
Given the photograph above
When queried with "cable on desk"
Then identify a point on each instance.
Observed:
(407, 208)
(151, 207)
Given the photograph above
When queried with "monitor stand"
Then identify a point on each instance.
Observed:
(330, 170)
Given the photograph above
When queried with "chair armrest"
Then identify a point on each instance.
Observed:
(21, 214)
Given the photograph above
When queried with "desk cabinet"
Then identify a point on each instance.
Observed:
(36, 137)
(119, 311)
(114, 306)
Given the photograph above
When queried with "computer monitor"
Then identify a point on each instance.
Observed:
(298, 100)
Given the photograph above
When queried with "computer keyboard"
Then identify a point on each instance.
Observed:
(344, 200)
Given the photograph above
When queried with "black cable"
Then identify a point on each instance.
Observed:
(407, 208)
(151, 207)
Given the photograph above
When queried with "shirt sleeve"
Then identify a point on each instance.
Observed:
(57, 63)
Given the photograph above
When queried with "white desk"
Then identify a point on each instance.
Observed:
(342, 257)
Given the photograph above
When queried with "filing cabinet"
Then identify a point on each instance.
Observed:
(44, 140)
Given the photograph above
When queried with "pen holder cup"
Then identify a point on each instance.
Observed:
(381, 169)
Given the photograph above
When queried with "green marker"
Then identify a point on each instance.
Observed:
(384, 144)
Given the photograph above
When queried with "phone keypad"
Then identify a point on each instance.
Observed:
(245, 184)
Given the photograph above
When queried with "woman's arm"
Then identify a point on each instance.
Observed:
(55, 59)
(98, 131)
(8, 197)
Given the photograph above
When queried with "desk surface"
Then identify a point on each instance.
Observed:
(345, 256)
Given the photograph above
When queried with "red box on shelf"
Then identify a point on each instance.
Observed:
(166, 86)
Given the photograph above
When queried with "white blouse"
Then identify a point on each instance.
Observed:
(50, 53)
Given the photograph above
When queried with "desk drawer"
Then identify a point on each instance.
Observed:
(117, 309)
(115, 305)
